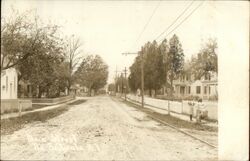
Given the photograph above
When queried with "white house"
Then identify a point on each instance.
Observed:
(9, 82)
(9, 100)
(205, 88)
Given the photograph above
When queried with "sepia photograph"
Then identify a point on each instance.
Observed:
(124, 80)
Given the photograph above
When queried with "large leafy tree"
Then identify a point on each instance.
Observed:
(206, 60)
(163, 50)
(175, 60)
(134, 78)
(22, 35)
(153, 67)
(42, 67)
(92, 73)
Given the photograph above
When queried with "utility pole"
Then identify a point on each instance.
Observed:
(125, 72)
(142, 79)
(122, 82)
(142, 75)
(116, 80)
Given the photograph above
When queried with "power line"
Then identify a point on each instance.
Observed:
(147, 23)
(175, 20)
(184, 19)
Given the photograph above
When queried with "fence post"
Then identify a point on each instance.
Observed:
(19, 107)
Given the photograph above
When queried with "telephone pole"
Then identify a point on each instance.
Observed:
(142, 74)
(125, 73)
(116, 81)
(142, 79)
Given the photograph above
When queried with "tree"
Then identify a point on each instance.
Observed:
(92, 73)
(154, 69)
(122, 83)
(163, 50)
(134, 78)
(111, 87)
(73, 56)
(21, 37)
(154, 76)
(206, 60)
(175, 60)
(41, 68)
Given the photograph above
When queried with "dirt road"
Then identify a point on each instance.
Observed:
(105, 129)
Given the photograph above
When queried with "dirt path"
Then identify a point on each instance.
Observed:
(102, 128)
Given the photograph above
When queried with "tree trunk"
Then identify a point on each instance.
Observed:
(47, 92)
(58, 92)
(69, 85)
(89, 92)
(39, 92)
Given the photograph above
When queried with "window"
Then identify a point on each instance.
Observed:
(198, 89)
(189, 89)
(182, 90)
(7, 83)
(209, 90)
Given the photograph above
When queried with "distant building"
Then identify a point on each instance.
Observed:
(205, 88)
(78, 90)
(24, 89)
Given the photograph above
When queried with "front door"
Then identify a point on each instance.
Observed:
(182, 90)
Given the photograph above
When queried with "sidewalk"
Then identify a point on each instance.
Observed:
(12, 115)
(177, 115)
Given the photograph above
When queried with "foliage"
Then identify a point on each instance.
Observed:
(206, 60)
(154, 70)
(134, 79)
(92, 72)
(111, 87)
(161, 63)
(44, 69)
(22, 37)
(36, 51)
(121, 83)
(175, 60)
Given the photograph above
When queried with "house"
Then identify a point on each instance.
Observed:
(79, 90)
(9, 100)
(205, 88)
(9, 86)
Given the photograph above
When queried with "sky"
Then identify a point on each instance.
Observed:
(110, 28)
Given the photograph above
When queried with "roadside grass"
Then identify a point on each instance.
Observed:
(179, 123)
(34, 107)
(9, 126)
(78, 102)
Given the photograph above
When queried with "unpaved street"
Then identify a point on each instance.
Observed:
(102, 128)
